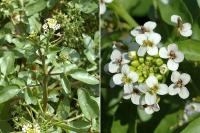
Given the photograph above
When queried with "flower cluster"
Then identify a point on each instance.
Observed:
(143, 72)
(51, 24)
(29, 128)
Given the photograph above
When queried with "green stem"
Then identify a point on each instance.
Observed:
(121, 11)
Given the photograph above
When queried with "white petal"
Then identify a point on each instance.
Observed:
(127, 96)
(125, 59)
(172, 47)
(172, 90)
(102, 8)
(117, 78)
(135, 99)
(116, 55)
(150, 99)
(108, 1)
(172, 65)
(125, 69)
(184, 93)
(136, 31)
(140, 38)
(154, 37)
(113, 67)
(163, 53)
(175, 76)
(143, 88)
(150, 25)
(185, 78)
(179, 56)
(163, 89)
(151, 81)
(186, 26)
(186, 33)
(174, 18)
(128, 88)
(149, 110)
(134, 76)
(152, 50)
(141, 51)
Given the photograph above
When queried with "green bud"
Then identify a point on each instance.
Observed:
(132, 55)
(135, 63)
(159, 77)
(139, 73)
(148, 63)
(151, 70)
(163, 69)
(139, 68)
(159, 62)
(149, 58)
(141, 79)
(133, 68)
(141, 60)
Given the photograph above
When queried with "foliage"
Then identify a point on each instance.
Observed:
(49, 66)
(120, 18)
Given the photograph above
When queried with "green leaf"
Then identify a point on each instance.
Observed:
(175, 7)
(34, 24)
(8, 92)
(88, 106)
(65, 84)
(63, 108)
(168, 123)
(29, 98)
(7, 63)
(88, 6)
(35, 7)
(191, 49)
(118, 128)
(193, 127)
(198, 1)
(142, 8)
(84, 76)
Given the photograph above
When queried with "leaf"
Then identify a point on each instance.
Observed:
(7, 63)
(65, 84)
(63, 108)
(8, 92)
(174, 7)
(198, 1)
(34, 24)
(35, 7)
(193, 127)
(191, 49)
(88, 106)
(29, 98)
(142, 8)
(118, 128)
(168, 123)
(88, 6)
(84, 76)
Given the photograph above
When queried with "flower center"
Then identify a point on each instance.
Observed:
(136, 91)
(118, 61)
(148, 43)
(144, 29)
(154, 89)
(172, 55)
(179, 83)
(126, 79)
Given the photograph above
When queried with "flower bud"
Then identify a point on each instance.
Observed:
(159, 77)
(163, 69)
(141, 79)
(159, 62)
(141, 60)
(132, 55)
(135, 63)
(149, 58)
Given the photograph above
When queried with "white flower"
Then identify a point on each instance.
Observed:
(192, 108)
(117, 60)
(126, 77)
(178, 86)
(148, 43)
(174, 56)
(148, 27)
(57, 27)
(183, 28)
(133, 93)
(150, 109)
(103, 5)
(154, 88)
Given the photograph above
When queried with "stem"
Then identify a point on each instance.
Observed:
(74, 118)
(121, 11)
